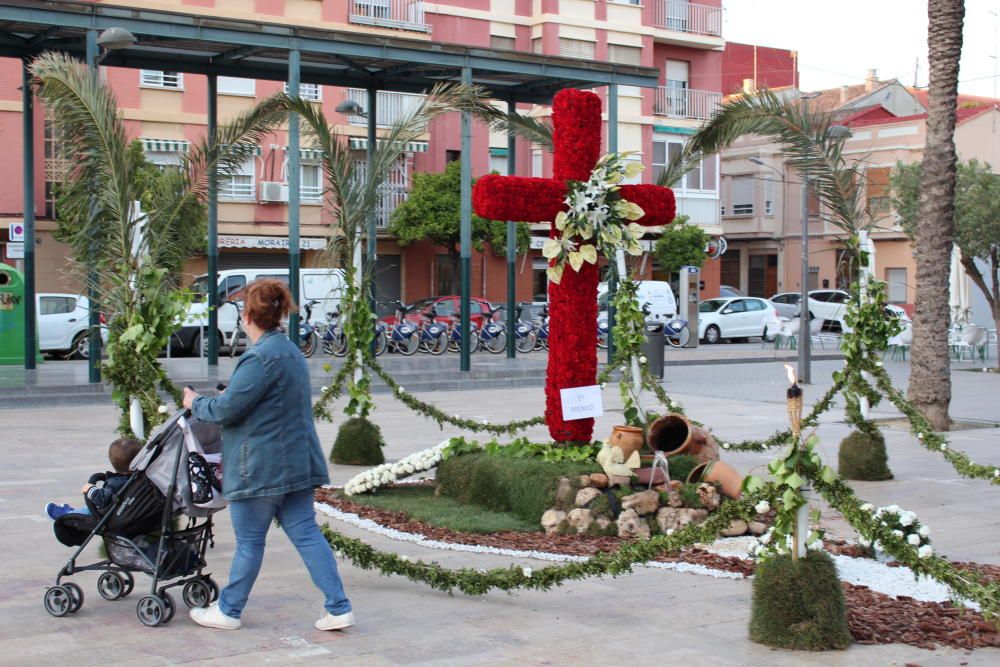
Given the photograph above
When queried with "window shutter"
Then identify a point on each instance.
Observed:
(576, 48)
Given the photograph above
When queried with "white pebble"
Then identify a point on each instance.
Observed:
(162, 409)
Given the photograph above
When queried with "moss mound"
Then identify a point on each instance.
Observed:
(799, 604)
(524, 487)
(359, 443)
(862, 456)
(681, 466)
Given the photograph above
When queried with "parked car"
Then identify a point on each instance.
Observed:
(740, 317)
(656, 294)
(787, 304)
(448, 309)
(63, 323)
(829, 305)
(323, 285)
(727, 291)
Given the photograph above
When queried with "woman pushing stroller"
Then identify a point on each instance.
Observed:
(272, 460)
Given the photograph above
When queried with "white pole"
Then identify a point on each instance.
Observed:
(356, 262)
(801, 533)
(634, 361)
(863, 243)
(135, 418)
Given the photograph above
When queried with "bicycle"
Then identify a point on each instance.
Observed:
(493, 335)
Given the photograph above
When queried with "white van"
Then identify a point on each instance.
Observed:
(656, 293)
(322, 285)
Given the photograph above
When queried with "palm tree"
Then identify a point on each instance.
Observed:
(132, 254)
(930, 369)
(354, 196)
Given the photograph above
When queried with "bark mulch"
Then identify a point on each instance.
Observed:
(873, 617)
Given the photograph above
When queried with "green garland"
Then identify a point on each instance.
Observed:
(522, 448)
(479, 582)
(441, 417)
(965, 584)
(333, 390)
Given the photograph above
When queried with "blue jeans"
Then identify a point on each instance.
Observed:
(251, 518)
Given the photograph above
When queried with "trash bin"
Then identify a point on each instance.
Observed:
(652, 347)
(11, 316)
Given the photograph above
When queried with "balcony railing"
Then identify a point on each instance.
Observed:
(390, 106)
(686, 102)
(398, 14)
(688, 17)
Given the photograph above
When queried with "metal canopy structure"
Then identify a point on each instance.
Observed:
(228, 47)
(213, 46)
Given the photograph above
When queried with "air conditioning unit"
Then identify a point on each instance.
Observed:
(274, 192)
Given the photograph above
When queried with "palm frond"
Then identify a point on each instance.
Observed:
(536, 130)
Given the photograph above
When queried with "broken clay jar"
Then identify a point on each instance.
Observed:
(673, 434)
(627, 438)
(716, 472)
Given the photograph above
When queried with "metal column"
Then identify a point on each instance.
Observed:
(213, 227)
(28, 127)
(466, 230)
(511, 247)
(373, 214)
(294, 250)
(94, 321)
(805, 339)
(613, 277)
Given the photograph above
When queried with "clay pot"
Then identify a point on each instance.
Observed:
(627, 438)
(673, 434)
(717, 472)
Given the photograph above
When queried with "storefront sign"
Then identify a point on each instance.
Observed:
(268, 242)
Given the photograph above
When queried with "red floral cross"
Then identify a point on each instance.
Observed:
(576, 119)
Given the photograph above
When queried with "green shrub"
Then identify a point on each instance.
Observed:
(689, 494)
(799, 604)
(681, 466)
(525, 487)
(862, 456)
(359, 443)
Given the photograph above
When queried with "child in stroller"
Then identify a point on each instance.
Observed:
(139, 532)
(120, 454)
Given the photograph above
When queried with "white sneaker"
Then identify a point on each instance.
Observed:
(338, 622)
(212, 617)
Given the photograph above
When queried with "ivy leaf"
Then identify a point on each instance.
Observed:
(752, 484)
(828, 475)
(794, 481)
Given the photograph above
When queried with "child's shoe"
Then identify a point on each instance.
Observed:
(54, 511)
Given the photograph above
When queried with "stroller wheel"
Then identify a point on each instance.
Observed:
(169, 606)
(76, 595)
(58, 600)
(111, 585)
(214, 586)
(129, 582)
(150, 610)
(197, 593)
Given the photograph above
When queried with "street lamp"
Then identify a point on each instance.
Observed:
(114, 39)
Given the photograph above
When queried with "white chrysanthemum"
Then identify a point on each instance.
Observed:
(920, 436)
(879, 364)
(766, 538)
(404, 558)
(399, 390)
(898, 533)
(322, 390)
(944, 446)
(867, 507)
(339, 554)
(924, 532)
(162, 410)
(642, 360)
(670, 531)
(527, 572)
(762, 507)
(725, 445)
(925, 551)
(864, 541)
(913, 539)
(907, 518)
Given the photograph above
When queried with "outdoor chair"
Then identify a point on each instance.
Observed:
(899, 344)
(973, 340)
(788, 335)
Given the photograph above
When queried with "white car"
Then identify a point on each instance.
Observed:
(827, 304)
(787, 304)
(740, 317)
(63, 322)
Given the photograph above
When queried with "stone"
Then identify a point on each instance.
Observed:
(551, 520)
(580, 519)
(709, 496)
(676, 485)
(586, 496)
(756, 528)
(736, 528)
(599, 480)
(603, 523)
(630, 525)
(644, 502)
(564, 492)
(674, 518)
(618, 480)
(674, 499)
(585, 481)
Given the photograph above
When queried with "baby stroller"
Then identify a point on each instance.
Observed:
(139, 530)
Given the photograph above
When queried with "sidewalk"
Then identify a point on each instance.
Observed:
(649, 617)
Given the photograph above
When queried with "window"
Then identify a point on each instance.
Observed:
(230, 288)
(164, 159)
(55, 168)
(241, 184)
(452, 156)
(768, 197)
(498, 163)
(896, 278)
(576, 48)
(234, 85)
(536, 163)
(311, 182)
(308, 91)
(391, 193)
(536, 45)
(445, 276)
(737, 306)
(702, 177)
(742, 195)
(754, 304)
(154, 78)
(502, 43)
(624, 55)
(56, 305)
(877, 191)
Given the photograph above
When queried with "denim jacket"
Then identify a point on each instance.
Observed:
(269, 441)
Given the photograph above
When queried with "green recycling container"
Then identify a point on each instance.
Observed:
(12, 317)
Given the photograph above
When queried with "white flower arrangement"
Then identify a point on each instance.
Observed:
(762, 507)
(925, 551)
(903, 524)
(389, 473)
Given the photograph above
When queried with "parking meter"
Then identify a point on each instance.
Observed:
(687, 305)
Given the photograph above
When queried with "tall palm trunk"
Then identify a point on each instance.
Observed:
(930, 368)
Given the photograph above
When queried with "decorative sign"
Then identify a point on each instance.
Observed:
(269, 242)
(581, 402)
(15, 251)
(15, 232)
(716, 247)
